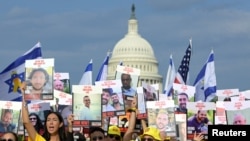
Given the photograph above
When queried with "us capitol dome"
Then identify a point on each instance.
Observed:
(135, 51)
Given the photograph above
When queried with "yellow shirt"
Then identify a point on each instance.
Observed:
(37, 138)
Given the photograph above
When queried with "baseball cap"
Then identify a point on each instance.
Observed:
(114, 130)
(153, 132)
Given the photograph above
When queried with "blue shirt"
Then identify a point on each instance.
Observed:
(86, 114)
(198, 126)
(129, 92)
(10, 127)
(107, 108)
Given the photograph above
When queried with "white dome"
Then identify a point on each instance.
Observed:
(135, 51)
(133, 46)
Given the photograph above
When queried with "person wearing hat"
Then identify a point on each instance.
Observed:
(151, 134)
(114, 133)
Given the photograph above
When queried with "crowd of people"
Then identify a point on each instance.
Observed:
(53, 128)
(57, 127)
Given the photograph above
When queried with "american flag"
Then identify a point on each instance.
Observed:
(182, 73)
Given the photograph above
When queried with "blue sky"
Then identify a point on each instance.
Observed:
(73, 32)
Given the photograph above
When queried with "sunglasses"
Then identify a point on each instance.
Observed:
(6, 140)
(147, 139)
(114, 136)
(97, 138)
(32, 118)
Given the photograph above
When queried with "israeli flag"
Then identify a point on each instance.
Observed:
(102, 75)
(205, 82)
(170, 77)
(87, 75)
(13, 75)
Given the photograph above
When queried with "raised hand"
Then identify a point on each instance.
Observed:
(198, 137)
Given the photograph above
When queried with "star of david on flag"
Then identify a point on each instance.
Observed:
(13, 75)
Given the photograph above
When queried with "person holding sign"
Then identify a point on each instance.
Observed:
(54, 125)
(37, 123)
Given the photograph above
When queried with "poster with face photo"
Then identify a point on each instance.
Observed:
(87, 107)
(39, 79)
(39, 108)
(238, 112)
(38, 111)
(60, 98)
(113, 120)
(9, 112)
(220, 113)
(226, 94)
(161, 115)
(62, 82)
(65, 111)
(199, 116)
(156, 91)
(182, 94)
(150, 93)
(112, 98)
(129, 78)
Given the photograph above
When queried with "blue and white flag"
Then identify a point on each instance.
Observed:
(103, 72)
(205, 82)
(87, 75)
(12, 76)
(170, 77)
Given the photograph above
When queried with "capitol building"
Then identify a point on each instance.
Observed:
(136, 52)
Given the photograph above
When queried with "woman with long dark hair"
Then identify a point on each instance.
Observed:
(37, 123)
(54, 129)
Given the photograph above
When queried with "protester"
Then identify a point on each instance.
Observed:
(37, 123)
(114, 134)
(97, 134)
(9, 136)
(54, 125)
